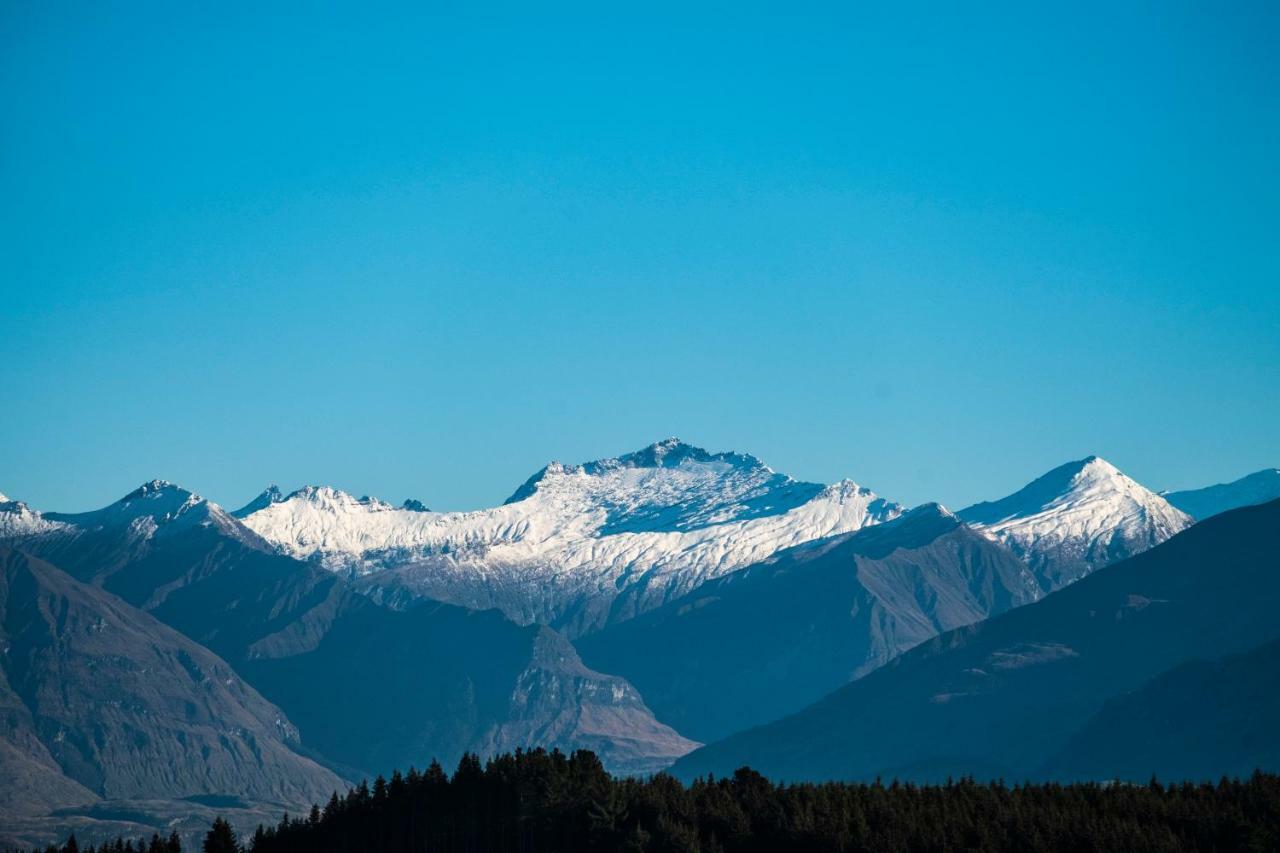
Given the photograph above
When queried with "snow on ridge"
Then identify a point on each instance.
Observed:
(594, 500)
(670, 511)
(153, 506)
(270, 495)
(17, 519)
(329, 497)
(670, 453)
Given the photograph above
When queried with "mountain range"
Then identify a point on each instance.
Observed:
(577, 546)
(634, 606)
(1025, 694)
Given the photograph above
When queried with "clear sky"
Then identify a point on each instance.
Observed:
(938, 249)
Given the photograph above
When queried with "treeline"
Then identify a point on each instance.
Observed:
(540, 801)
(172, 844)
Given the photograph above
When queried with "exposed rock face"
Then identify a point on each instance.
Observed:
(1004, 697)
(270, 495)
(767, 640)
(559, 702)
(125, 706)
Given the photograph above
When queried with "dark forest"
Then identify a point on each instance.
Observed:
(540, 801)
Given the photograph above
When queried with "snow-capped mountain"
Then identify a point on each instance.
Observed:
(1077, 518)
(1258, 487)
(152, 507)
(576, 545)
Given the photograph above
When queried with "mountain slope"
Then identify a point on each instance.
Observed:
(369, 687)
(126, 707)
(560, 701)
(1258, 487)
(1002, 697)
(33, 783)
(577, 546)
(1200, 720)
(769, 639)
(1077, 518)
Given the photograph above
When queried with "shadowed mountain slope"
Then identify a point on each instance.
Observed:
(769, 639)
(371, 687)
(1003, 697)
(1258, 487)
(125, 706)
(1199, 720)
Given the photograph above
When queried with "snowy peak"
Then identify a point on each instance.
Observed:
(152, 506)
(670, 486)
(414, 505)
(670, 453)
(330, 499)
(933, 511)
(270, 495)
(156, 487)
(1062, 484)
(1076, 518)
(158, 499)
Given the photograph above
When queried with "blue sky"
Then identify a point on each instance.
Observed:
(935, 249)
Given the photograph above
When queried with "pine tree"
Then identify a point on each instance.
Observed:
(221, 838)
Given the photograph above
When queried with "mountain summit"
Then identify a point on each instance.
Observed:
(154, 506)
(670, 486)
(270, 495)
(1076, 518)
